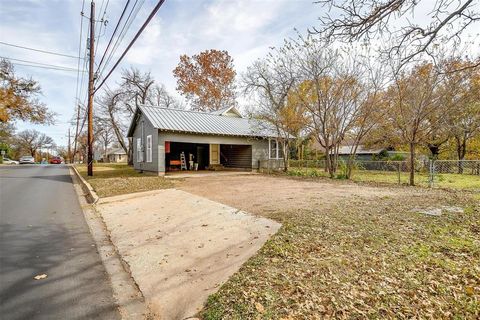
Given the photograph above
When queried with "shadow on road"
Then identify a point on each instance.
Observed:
(70, 291)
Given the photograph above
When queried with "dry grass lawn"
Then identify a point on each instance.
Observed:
(350, 251)
(112, 179)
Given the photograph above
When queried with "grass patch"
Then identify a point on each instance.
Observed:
(114, 179)
(447, 181)
(362, 259)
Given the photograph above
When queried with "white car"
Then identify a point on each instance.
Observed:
(27, 160)
(9, 161)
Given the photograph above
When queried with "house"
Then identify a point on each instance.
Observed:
(215, 140)
(116, 155)
(371, 154)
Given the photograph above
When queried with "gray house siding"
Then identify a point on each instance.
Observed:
(259, 146)
(148, 129)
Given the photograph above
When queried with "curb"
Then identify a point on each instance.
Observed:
(92, 196)
(128, 297)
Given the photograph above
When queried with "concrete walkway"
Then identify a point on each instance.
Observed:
(181, 247)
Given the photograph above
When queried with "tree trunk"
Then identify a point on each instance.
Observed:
(130, 152)
(286, 152)
(461, 152)
(412, 163)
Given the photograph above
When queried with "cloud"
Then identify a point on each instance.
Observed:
(245, 28)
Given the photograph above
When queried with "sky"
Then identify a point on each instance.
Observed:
(246, 29)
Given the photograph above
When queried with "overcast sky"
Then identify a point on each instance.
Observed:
(246, 29)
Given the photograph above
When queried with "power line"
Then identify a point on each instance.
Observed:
(39, 63)
(113, 34)
(77, 100)
(79, 52)
(102, 23)
(150, 17)
(45, 67)
(38, 50)
(123, 32)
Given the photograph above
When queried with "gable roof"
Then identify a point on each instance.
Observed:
(228, 111)
(178, 120)
(116, 151)
(345, 150)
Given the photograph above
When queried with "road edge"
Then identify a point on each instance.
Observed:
(91, 195)
(128, 297)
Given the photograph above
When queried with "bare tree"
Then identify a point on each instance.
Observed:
(32, 141)
(332, 92)
(270, 81)
(393, 20)
(117, 106)
(103, 133)
(412, 99)
(164, 99)
(461, 101)
(113, 111)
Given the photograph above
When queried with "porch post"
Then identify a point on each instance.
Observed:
(161, 158)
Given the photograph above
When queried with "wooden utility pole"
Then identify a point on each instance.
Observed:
(76, 134)
(69, 152)
(90, 90)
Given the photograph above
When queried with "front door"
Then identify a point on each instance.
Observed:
(214, 154)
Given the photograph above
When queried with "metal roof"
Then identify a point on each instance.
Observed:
(178, 120)
(360, 150)
(116, 151)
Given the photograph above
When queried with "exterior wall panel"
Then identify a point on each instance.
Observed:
(148, 129)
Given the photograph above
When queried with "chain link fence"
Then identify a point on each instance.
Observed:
(454, 172)
(440, 173)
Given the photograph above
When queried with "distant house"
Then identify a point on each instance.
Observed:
(116, 155)
(370, 154)
(219, 139)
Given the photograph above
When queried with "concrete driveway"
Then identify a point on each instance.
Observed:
(181, 247)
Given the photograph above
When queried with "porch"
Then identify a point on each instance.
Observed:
(196, 158)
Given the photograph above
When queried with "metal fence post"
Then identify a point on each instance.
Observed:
(430, 173)
(398, 171)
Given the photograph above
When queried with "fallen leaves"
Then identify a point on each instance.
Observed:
(40, 276)
(363, 259)
(260, 308)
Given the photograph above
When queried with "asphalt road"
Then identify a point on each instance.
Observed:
(43, 231)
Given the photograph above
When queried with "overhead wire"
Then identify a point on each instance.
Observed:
(102, 24)
(113, 35)
(38, 50)
(126, 26)
(39, 64)
(77, 100)
(52, 67)
(137, 35)
(79, 53)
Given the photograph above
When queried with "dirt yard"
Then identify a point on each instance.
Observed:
(350, 251)
(261, 194)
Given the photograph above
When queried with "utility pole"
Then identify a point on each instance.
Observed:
(90, 90)
(76, 134)
(69, 152)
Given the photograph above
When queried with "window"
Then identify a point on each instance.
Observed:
(275, 149)
(149, 148)
(139, 150)
(280, 147)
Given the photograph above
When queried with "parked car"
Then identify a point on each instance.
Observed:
(56, 160)
(9, 161)
(27, 160)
